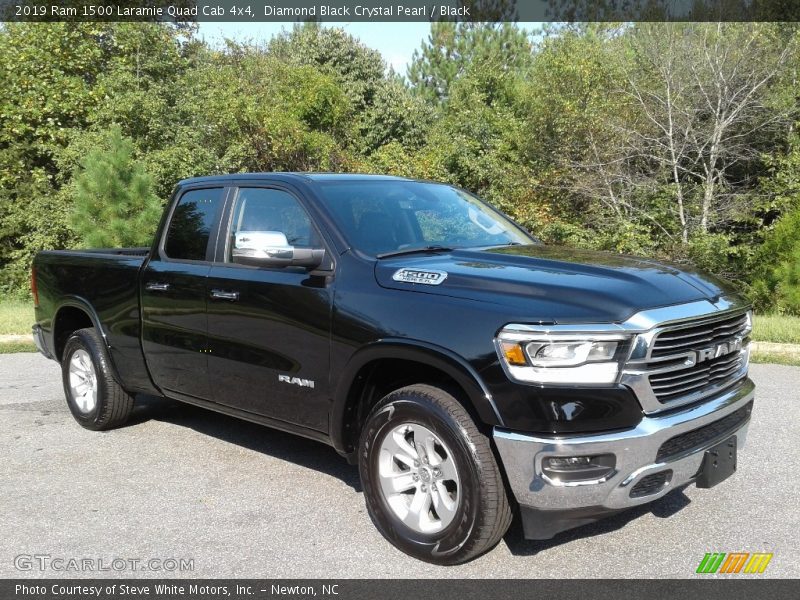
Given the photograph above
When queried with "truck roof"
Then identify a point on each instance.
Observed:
(288, 176)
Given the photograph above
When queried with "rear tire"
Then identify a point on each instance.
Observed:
(431, 483)
(94, 398)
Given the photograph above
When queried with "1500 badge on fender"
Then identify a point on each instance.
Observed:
(418, 276)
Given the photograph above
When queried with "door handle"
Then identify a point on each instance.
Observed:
(155, 286)
(224, 295)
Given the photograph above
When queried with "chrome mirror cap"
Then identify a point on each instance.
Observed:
(272, 249)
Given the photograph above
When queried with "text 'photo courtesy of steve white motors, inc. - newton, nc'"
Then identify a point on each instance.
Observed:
(143, 589)
(245, 11)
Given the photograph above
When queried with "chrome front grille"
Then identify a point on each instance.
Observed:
(685, 359)
(679, 363)
(695, 335)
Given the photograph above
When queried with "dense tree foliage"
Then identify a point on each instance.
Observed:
(453, 49)
(676, 141)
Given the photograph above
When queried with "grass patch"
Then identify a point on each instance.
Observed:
(776, 328)
(12, 347)
(16, 316)
(776, 358)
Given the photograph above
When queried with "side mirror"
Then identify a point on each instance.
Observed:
(272, 249)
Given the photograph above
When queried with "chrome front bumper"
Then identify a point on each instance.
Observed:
(635, 452)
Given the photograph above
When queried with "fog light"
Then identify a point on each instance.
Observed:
(565, 469)
(568, 462)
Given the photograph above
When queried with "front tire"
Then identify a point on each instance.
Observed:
(431, 482)
(94, 398)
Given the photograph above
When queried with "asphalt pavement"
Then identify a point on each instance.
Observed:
(233, 499)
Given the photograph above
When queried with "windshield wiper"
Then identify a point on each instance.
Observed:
(422, 250)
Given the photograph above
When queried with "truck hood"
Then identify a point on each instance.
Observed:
(554, 284)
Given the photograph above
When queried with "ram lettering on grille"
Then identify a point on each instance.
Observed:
(719, 350)
(697, 358)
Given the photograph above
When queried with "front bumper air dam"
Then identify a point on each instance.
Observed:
(549, 507)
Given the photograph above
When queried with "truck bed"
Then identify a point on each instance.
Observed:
(104, 282)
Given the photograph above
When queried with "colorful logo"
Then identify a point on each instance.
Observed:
(734, 562)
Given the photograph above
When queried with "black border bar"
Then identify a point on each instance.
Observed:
(253, 11)
(745, 587)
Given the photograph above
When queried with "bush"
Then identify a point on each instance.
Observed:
(562, 233)
(33, 217)
(712, 252)
(776, 284)
(787, 274)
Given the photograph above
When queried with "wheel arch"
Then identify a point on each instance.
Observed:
(76, 313)
(357, 384)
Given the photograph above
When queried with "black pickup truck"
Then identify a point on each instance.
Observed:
(467, 369)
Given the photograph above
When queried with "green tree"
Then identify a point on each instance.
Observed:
(453, 48)
(395, 115)
(254, 112)
(146, 89)
(61, 86)
(46, 77)
(334, 52)
(114, 200)
(567, 103)
(476, 142)
(384, 109)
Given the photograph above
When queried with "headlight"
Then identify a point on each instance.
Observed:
(562, 358)
(569, 354)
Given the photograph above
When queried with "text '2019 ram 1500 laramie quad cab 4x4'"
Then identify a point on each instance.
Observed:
(459, 362)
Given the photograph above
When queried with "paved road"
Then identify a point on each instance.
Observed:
(245, 501)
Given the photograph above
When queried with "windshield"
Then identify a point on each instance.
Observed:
(383, 217)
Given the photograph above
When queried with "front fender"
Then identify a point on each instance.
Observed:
(412, 350)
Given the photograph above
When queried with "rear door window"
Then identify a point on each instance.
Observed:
(191, 225)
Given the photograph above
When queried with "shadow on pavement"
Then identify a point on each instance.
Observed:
(662, 508)
(315, 455)
(285, 446)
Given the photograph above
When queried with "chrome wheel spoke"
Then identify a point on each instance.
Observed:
(83, 403)
(75, 379)
(400, 448)
(444, 504)
(396, 483)
(430, 450)
(448, 469)
(418, 516)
